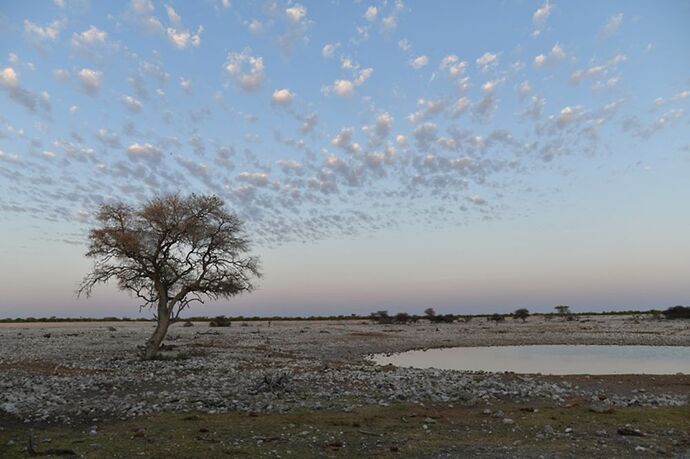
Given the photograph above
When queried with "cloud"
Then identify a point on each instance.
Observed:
(296, 25)
(577, 76)
(378, 131)
(143, 13)
(344, 140)
(247, 70)
(290, 166)
(487, 61)
(659, 101)
(419, 62)
(61, 74)
(453, 66)
(296, 13)
(535, 108)
(9, 78)
(371, 13)
(254, 178)
(477, 200)
(35, 103)
(427, 108)
(38, 34)
(342, 88)
(567, 116)
(390, 21)
(363, 76)
(144, 152)
(425, 135)
(90, 38)
(90, 80)
(539, 18)
(173, 17)
(131, 104)
(282, 97)
(554, 56)
(183, 38)
(461, 106)
(179, 35)
(329, 50)
(611, 26)
(524, 89)
(542, 14)
(186, 85)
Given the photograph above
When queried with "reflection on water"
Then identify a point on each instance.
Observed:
(551, 359)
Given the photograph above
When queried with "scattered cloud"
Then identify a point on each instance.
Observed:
(612, 25)
(487, 61)
(282, 97)
(144, 152)
(540, 17)
(91, 80)
(89, 39)
(329, 50)
(371, 13)
(247, 70)
(131, 104)
(419, 62)
(556, 55)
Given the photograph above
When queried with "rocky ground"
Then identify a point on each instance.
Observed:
(87, 375)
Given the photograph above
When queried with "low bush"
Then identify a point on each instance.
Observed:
(677, 312)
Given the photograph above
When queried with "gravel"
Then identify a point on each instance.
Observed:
(72, 373)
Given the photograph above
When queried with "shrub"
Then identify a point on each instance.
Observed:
(220, 321)
(496, 318)
(677, 312)
(402, 318)
(521, 313)
(381, 317)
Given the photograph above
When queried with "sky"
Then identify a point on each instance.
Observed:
(473, 157)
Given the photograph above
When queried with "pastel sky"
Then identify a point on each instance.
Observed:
(468, 156)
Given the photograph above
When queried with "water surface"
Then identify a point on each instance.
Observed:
(549, 359)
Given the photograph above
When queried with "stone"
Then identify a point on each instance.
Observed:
(601, 406)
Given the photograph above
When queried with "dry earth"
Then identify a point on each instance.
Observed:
(72, 382)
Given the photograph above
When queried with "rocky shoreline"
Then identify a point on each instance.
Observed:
(86, 374)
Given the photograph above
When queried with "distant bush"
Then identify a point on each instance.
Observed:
(496, 318)
(522, 314)
(677, 312)
(381, 317)
(402, 318)
(443, 319)
(220, 321)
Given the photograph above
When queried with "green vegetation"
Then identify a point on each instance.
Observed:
(404, 430)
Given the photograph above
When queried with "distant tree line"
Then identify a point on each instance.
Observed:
(674, 312)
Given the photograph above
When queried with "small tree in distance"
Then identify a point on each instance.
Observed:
(170, 252)
(563, 310)
(521, 313)
(430, 313)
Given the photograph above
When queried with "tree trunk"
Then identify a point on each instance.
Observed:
(154, 343)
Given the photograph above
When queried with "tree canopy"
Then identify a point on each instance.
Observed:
(169, 253)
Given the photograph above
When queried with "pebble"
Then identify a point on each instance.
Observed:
(219, 379)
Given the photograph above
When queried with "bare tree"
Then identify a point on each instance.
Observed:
(170, 252)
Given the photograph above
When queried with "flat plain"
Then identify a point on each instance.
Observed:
(306, 388)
